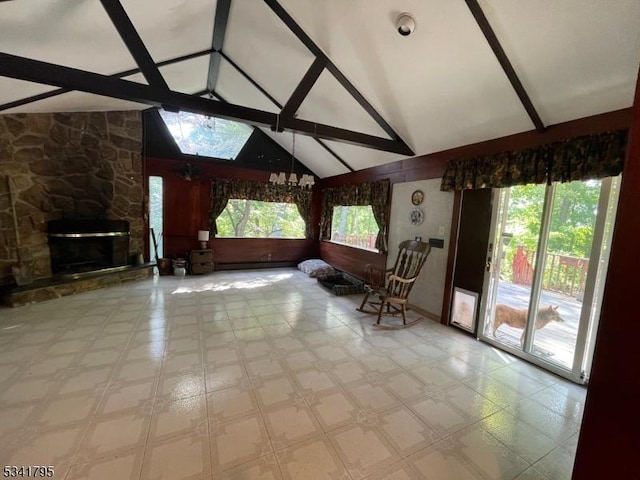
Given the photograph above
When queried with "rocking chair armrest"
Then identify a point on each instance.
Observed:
(376, 275)
(395, 278)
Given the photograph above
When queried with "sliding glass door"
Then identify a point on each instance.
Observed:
(545, 271)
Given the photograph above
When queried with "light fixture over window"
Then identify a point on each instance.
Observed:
(292, 180)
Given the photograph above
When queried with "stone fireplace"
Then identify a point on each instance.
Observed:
(70, 166)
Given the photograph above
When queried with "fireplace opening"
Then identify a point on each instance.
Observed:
(80, 246)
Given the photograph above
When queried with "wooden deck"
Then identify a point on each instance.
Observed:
(555, 342)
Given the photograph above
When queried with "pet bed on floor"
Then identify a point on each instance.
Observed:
(341, 283)
(316, 267)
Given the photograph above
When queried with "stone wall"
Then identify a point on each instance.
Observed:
(67, 165)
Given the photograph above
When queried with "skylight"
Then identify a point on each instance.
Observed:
(206, 136)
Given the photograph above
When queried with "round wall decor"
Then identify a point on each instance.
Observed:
(417, 197)
(416, 216)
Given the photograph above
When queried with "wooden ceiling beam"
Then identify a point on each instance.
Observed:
(304, 87)
(134, 43)
(339, 76)
(31, 70)
(280, 106)
(125, 73)
(223, 7)
(500, 54)
(248, 77)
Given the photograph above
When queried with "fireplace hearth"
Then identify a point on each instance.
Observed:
(80, 246)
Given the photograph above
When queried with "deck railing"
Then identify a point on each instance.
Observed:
(361, 241)
(563, 273)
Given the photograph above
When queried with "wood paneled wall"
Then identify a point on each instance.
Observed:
(609, 437)
(433, 165)
(186, 210)
(187, 203)
(349, 259)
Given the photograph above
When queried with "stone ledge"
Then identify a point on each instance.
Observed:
(50, 288)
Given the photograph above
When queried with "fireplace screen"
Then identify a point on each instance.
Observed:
(80, 246)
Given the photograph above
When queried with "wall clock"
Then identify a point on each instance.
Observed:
(416, 216)
(417, 197)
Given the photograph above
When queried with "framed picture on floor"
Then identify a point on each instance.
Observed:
(464, 308)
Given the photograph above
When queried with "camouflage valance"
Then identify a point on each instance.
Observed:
(580, 158)
(223, 189)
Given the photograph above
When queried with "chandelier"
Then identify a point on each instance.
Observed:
(281, 178)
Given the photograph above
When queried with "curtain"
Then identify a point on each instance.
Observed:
(380, 206)
(580, 158)
(220, 192)
(222, 189)
(375, 194)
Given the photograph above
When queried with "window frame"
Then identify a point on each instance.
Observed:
(333, 232)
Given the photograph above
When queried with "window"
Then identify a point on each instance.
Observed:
(206, 136)
(256, 219)
(354, 226)
(155, 213)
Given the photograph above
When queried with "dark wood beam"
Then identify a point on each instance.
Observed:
(279, 105)
(335, 155)
(125, 73)
(304, 87)
(353, 91)
(500, 54)
(223, 7)
(21, 68)
(134, 43)
(241, 71)
(33, 98)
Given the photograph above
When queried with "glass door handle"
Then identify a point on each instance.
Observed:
(488, 264)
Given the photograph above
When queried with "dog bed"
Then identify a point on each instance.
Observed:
(341, 283)
(316, 267)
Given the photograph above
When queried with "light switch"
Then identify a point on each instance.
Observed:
(441, 230)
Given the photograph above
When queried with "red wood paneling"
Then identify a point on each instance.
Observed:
(349, 259)
(186, 210)
(610, 435)
(251, 250)
(433, 165)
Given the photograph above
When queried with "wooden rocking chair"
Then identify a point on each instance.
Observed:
(391, 287)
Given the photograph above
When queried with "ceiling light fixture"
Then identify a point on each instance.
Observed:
(292, 180)
(187, 172)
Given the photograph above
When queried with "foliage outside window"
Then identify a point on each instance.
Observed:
(206, 136)
(155, 213)
(355, 226)
(256, 219)
(572, 220)
(224, 190)
(374, 195)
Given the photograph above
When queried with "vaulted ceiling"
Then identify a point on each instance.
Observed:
(473, 70)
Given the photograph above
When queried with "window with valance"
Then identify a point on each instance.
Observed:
(375, 194)
(580, 158)
(224, 189)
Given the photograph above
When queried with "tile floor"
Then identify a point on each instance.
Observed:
(264, 375)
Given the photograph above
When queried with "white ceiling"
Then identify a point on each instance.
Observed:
(439, 88)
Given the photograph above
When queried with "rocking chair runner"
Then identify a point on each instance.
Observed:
(392, 286)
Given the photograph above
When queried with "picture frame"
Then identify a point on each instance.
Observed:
(464, 307)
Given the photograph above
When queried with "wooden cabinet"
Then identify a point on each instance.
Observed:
(201, 261)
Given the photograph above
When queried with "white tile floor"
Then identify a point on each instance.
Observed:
(264, 375)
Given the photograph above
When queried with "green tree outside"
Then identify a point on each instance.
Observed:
(572, 220)
(254, 219)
